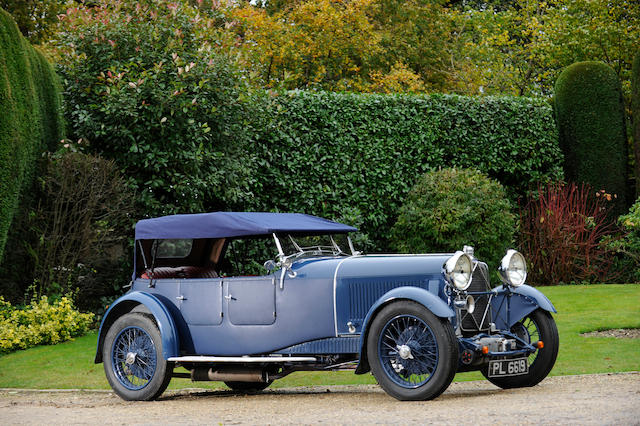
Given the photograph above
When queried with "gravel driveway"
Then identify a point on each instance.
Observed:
(589, 399)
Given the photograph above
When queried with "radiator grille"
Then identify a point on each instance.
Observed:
(363, 292)
(479, 282)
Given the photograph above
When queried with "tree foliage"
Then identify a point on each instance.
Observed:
(520, 48)
(143, 86)
(36, 19)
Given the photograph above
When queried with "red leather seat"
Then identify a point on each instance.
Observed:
(179, 272)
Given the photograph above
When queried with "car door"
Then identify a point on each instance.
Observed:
(201, 301)
(250, 300)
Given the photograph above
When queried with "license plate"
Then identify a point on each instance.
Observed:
(508, 367)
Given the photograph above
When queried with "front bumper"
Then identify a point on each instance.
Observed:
(476, 352)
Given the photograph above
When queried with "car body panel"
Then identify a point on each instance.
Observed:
(157, 306)
(361, 281)
(255, 315)
(510, 304)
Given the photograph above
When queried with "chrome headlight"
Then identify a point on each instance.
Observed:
(513, 268)
(458, 269)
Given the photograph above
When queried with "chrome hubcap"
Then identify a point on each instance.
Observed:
(131, 358)
(405, 352)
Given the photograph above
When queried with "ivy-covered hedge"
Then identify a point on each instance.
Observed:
(356, 156)
(30, 119)
(591, 124)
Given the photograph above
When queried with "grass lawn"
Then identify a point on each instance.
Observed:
(580, 309)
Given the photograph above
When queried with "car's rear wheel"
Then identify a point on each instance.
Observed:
(538, 325)
(412, 353)
(247, 387)
(132, 356)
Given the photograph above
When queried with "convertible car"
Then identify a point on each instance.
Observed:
(198, 299)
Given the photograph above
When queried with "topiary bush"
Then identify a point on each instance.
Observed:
(449, 208)
(590, 114)
(635, 116)
(30, 117)
(40, 323)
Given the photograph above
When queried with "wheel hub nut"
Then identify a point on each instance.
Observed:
(405, 352)
(131, 358)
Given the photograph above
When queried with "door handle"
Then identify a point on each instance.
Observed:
(181, 297)
(230, 297)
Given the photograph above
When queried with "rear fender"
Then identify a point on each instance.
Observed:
(427, 299)
(510, 305)
(136, 300)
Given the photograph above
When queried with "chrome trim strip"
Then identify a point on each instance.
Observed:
(335, 281)
(242, 359)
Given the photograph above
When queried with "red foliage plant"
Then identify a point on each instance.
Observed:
(561, 230)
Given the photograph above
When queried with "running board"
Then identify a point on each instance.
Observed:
(242, 359)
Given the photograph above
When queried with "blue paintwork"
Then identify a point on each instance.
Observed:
(303, 307)
(307, 311)
(510, 305)
(158, 309)
(361, 281)
(332, 345)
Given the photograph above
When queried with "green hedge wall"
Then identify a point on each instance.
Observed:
(635, 116)
(590, 115)
(30, 117)
(355, 157)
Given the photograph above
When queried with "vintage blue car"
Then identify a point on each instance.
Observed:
(317, 304)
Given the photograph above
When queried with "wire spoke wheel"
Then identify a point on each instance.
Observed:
(133, 362)
(134, 358)
(412, 353)
(408, 351)
(536, 326)
(529, 331)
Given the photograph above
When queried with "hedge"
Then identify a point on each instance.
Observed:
(356, 156)
(635, 115)
(590, 115)
(30, 119)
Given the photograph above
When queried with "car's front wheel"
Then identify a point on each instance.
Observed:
(538, 325)
(132, 356)
(412, 353)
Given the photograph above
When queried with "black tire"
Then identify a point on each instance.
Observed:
(412, 353)
(247, 387)
(132, 356)
(538, 325)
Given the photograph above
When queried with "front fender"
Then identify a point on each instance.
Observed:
(126, 303)
(510, 304)
(427, 299)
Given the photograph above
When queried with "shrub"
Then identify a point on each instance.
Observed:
(40, 323)
(590, 115)
(562, 229)
(74, 233)
(323, 153)
(629, 245)
(30, 120)
(143, 86)
(449, 208)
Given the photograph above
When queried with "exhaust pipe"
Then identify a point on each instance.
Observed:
(229, 374)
